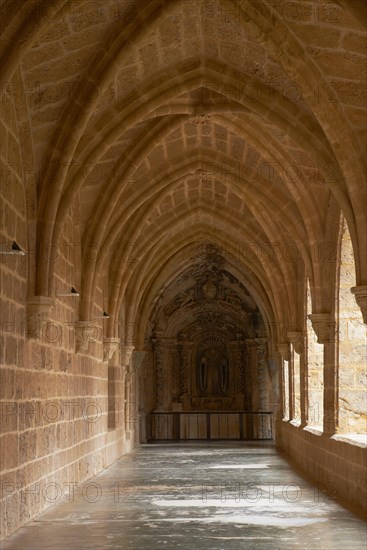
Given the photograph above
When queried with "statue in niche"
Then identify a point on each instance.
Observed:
(223, 375)
(203, 374)
(210, 289)
(213, 373)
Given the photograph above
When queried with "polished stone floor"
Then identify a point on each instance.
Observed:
(195, 497)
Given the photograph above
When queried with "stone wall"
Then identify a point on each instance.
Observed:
(54, 397)
(334, 464)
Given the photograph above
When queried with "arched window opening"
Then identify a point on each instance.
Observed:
(352, 347)
(315, 377)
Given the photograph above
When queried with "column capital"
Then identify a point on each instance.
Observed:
(261, 341)
(284, 350)
(360, 295)
(296, 338)
(126, 353)
(324, 326)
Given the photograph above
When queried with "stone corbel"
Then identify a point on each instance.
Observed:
(324, 326)
(38, 312)
(360, 295)
(86, 332)
(110, 345)
(296, 339)
(126, 353)
(284, 351)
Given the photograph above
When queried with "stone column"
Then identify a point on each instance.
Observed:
(297, 341)
(326, 331)
(284, 351)
(126, 353)
(276, 400)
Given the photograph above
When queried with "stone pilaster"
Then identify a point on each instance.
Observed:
(276, 401)
(296, 340)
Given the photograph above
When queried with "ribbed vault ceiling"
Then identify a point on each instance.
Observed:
(240, 123)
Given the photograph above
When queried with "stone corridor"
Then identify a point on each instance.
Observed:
(183, 244)
(195, 496)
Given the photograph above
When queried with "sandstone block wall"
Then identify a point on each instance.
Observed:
(336, 466)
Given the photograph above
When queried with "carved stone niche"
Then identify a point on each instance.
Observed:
(360, 294)
(110, 345)
(38, 311)
(324, 326)
(86, 332)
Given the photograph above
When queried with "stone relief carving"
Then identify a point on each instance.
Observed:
(185, 359)
(213, 372)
